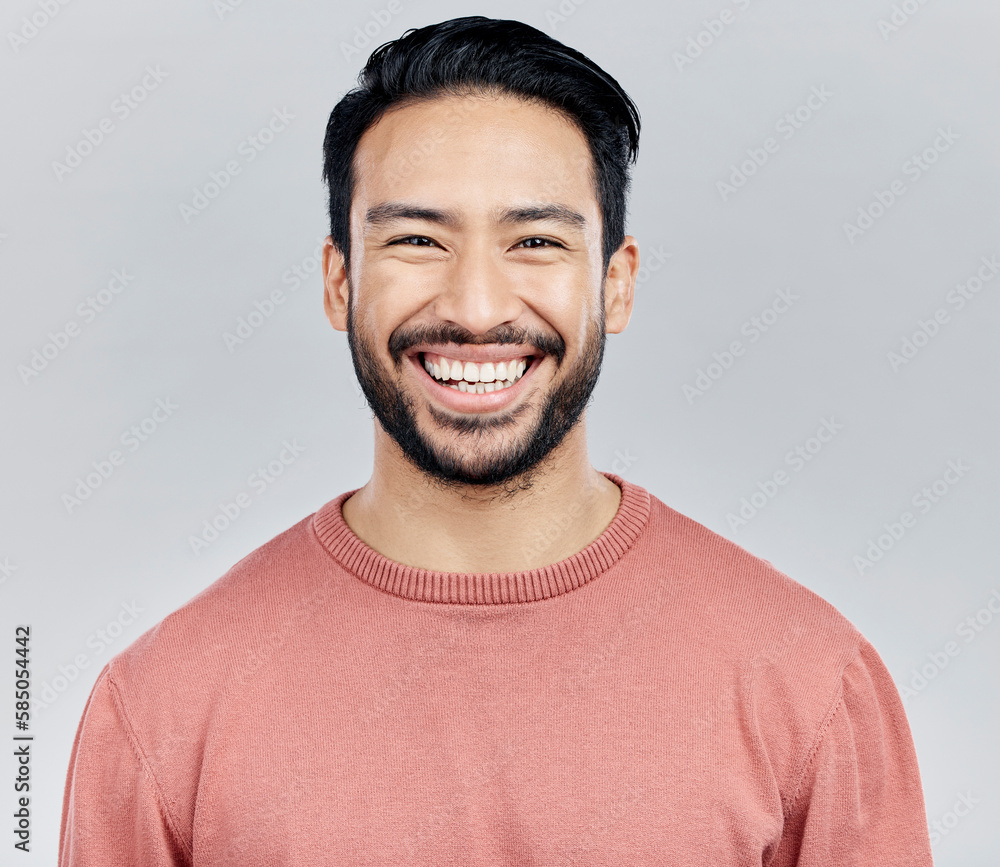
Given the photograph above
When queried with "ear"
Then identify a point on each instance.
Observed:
(335, 295)
(619, 286)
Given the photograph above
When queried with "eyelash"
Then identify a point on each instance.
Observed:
(548, 242)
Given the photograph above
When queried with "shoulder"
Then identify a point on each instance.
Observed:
(793, 658)
(758, 605)
(212, 639)
(160, 701)
(790, 647)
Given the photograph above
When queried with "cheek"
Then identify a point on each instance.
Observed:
(399, 283)
(375, 318)
(568, 304)
(382, 302)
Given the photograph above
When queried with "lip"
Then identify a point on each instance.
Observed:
(463, 401)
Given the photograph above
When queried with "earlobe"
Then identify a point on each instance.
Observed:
(335, 294)
(619, 286)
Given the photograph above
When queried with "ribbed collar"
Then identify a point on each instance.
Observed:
(494, 588)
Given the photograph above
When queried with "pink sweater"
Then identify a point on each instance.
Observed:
(661, 697)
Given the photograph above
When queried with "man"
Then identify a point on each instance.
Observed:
(492, 653)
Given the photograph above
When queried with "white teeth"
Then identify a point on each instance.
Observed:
(473, 377)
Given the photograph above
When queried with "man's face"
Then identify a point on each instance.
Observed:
(474, 310)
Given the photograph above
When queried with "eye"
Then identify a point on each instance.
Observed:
(413, 241)
(537, 243)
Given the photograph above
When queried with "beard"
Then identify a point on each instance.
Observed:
(484, 457)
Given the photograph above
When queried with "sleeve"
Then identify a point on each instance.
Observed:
(113, 809)
(859, 799)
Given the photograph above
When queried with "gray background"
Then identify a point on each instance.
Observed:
(69, 570)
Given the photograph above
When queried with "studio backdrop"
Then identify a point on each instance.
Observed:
(810, 370)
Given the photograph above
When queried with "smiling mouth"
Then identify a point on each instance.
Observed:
(475, 377)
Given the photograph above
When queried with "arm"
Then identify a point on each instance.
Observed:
(113, 808)
(859, 800)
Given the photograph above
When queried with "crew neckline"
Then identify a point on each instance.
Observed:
(490, 588)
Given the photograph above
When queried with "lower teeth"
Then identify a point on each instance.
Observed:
(474, 387)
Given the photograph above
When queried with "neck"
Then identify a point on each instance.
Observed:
(415, 520)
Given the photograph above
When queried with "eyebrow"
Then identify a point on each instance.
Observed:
(389, 212)
(538, 213)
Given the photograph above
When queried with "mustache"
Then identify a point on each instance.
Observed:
(449, 332)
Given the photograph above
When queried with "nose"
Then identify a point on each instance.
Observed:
(477, 293)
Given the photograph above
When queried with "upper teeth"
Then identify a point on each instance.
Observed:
(499, 374)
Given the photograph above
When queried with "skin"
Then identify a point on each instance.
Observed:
(488, 154)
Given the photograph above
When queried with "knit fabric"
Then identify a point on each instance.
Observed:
(660, 697)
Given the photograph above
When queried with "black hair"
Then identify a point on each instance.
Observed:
(477, 54)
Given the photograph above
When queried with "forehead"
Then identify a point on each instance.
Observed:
(475, 152)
